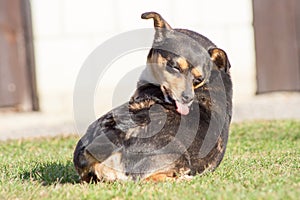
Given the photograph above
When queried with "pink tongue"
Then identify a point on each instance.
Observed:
(182, 109)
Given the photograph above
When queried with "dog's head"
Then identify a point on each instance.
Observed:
(177, 63)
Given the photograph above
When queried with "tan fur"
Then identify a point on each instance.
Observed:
(196, 72)
(155, 66)
(159, 22)
(217, 56)
(220, 143)
(136, 106)
(111, 169)
(170, 175)
(161, 176)
(183, 64)
(84, 172)
(199, 85)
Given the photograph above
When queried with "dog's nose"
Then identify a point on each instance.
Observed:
(187, 98)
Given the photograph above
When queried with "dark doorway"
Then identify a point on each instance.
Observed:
(17, 66)
(277, 43)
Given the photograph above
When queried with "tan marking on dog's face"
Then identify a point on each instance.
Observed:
(199, 85)
(183, 64)
(157, 59)
(161, 60)
(157, 64)
(196, 72)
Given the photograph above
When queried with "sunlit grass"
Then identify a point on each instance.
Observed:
(262, 162)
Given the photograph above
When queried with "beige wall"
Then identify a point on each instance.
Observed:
(67, 31)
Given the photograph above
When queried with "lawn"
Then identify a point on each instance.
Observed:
(262, 162)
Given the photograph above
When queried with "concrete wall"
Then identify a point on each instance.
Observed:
(67, 31)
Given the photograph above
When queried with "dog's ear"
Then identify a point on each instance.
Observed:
(160, 25)
(159, 22)
(219, 57)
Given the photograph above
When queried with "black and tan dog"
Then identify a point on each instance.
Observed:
(175, 125)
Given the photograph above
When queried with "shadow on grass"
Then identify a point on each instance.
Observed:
(52, 173)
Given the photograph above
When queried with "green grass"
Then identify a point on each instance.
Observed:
(262, 162)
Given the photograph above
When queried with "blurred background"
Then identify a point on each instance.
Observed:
(44, 43)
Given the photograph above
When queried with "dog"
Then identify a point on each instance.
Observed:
(177, 122)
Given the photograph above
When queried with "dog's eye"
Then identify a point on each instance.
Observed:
(197, 81)
(173, 65)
